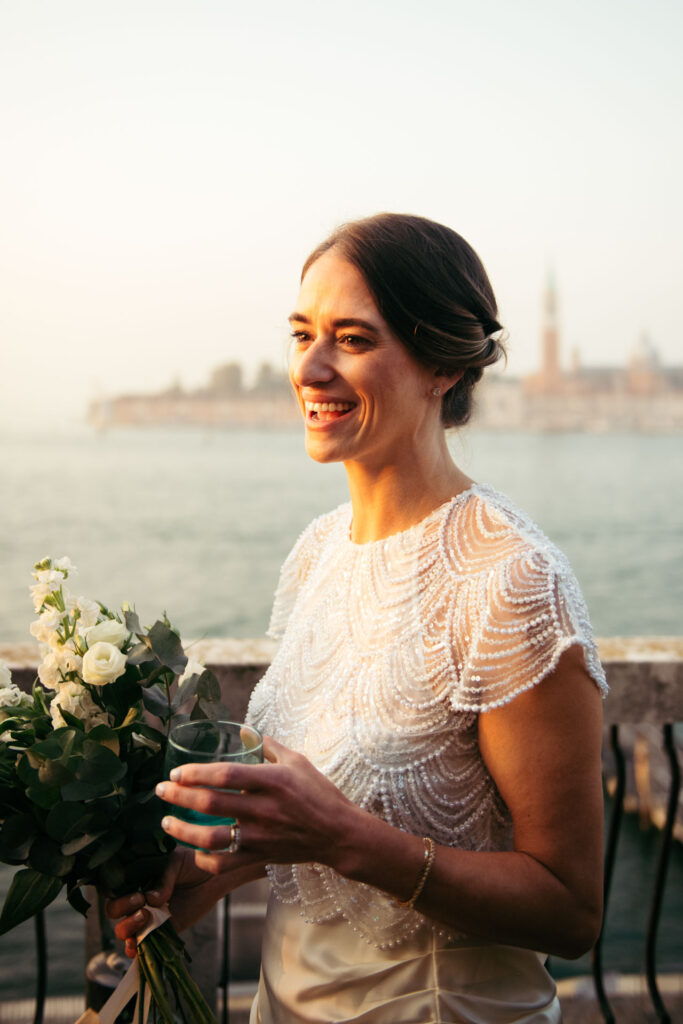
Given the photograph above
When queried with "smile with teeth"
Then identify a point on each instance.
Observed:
(323, 411)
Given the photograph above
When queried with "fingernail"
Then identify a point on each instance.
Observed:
(175, 775)
(166, 823)
(153, 894)
(139, 917)
(137, 900)
(161, 788)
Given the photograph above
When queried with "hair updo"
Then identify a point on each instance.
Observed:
(433, 292)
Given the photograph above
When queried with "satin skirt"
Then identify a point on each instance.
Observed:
(325, 973)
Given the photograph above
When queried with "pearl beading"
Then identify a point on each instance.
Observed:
(389, 652)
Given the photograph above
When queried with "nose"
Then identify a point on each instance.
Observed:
(311, 364)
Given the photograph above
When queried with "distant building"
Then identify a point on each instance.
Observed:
(641, 396)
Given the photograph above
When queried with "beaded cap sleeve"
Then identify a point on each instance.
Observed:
(389, 652)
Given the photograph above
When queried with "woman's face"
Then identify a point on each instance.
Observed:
(363, 396)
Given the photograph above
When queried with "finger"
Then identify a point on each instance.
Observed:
(124, 905)
(131, 948)
(218, 803)
(202, 837)
(222, 775)
(129, 927)
(274, 751)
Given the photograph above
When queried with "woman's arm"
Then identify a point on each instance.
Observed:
(543, 752)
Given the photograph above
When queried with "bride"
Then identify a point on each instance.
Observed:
(430, 810)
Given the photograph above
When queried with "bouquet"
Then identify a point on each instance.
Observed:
(79, 760)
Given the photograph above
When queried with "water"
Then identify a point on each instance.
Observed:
(198, 523)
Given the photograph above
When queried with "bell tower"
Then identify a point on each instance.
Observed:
(551, 373)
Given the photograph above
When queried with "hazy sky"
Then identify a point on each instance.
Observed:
(167, 164)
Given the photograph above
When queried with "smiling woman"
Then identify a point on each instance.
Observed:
(434, 707)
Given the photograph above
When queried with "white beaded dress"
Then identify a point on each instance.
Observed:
(390, 650)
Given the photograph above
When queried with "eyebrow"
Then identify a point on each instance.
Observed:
(346, 321)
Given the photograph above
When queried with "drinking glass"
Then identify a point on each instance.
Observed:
(206, 741)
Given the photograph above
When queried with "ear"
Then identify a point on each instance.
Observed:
(447, 380)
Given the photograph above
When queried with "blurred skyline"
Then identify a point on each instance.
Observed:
(168, 164)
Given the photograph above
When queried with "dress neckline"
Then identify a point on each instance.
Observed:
(455, 499)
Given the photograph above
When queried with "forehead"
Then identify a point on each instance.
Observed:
(333, 287)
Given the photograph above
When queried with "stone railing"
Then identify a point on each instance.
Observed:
(641, 767)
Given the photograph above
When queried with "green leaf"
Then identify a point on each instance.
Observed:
(43, 796)
(214, 710)
(71, 720)
(139, 654)
(167, 647)
(66, 821)
(186, 690)
(208, 686)
(29, 892)
(110, 845)
(79, 843)
(16, 837)
(46, 856)
(155, 702)
(132, 622)
(78, 900)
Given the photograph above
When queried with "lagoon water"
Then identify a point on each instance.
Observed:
(198, 523)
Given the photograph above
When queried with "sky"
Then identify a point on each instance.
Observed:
(167, 165)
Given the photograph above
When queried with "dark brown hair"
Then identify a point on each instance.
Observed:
(431, 288)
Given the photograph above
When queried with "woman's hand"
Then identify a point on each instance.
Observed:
(189, 892)
(288, 811)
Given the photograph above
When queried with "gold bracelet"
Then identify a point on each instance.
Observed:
(430, 853)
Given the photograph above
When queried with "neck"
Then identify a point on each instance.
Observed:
(391, 498)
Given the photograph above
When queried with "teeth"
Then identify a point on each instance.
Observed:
(328, 406)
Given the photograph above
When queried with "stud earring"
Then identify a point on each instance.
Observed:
(436, 392)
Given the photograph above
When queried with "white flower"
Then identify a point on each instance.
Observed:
(76, 699)
(45, 628)
(192, 668)
(65, 565)
(11, 697)
(110, 631)
(103, 663)
(90, 611)
(5, 677)
(48, 671)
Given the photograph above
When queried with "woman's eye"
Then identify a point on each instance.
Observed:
(355, 341)
(299, 336)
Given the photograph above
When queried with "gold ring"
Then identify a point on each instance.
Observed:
(235, 838)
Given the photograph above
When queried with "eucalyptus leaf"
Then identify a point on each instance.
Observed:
(132, 622)
(167, 646)
(214, 710)
(186, 690)
(208, 686)
(66, 821)
(77, 900)
(16, 836)
(43, 796)
(46, 856)
(79, 843)
(155, 702)
(29, 892)
(72, 720)
(108, 846)
(139, 654)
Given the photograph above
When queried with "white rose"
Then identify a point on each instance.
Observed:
(103, 663)
(90, 611)
(76, 699)
(12, 697)
(5, 676)
(109, 631)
